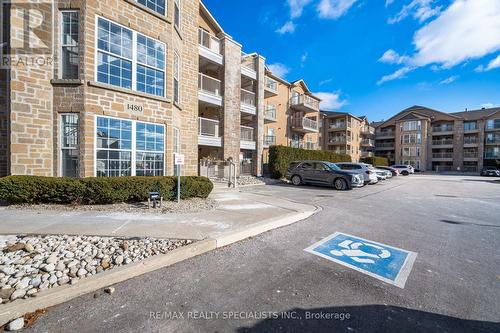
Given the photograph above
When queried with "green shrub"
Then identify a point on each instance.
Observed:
(33, 189)
(280, 157)
(377, 160)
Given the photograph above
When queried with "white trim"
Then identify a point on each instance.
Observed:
(403, 273)
(133, 59)
(133, 149)
(61, 36)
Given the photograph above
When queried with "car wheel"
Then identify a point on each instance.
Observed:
(405, 173)
(340, 184)
(296, 180)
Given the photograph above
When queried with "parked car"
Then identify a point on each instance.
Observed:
(370, 177)
(322, 173)
(490, 171)
(393, 171)
(381, 175)
(405, 170)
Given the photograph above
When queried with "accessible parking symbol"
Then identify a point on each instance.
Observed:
(386, 263)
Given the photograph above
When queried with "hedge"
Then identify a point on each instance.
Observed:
(34, 189)
(280, 157)
(377, 160)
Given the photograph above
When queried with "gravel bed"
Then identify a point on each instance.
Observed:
(30, 264)
(193, 205)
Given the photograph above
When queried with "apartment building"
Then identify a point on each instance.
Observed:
(344, 133)
(128, 83)
(433, 140)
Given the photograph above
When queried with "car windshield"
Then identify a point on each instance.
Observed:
(333, 166)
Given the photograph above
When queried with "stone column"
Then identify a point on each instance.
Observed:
(481, 139)
(458, 145)
(231, 120)
(259, 118)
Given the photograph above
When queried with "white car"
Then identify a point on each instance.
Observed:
(366, 169)
(405, 170)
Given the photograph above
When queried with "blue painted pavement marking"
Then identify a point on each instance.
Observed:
(387, 263)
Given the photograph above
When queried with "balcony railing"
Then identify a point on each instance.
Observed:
(305, 100)
(366, 154)
(247, 97)
(471, 154)
(271, 84)
(270, 112)
(339, 139)
(385, 133)
(342, 152)
(367, 142)
(208, 127)
(309, 123)
(470, 140)
(385, 145)
(442, 155)
(494, 140)
(209, 41)
(209, 84)
(367, 130)
(310, 145)
(269, 140)
(447, 128)
(442, 142)
(340, 125)
(468, 168)
(246, 133)
(492, 154)
(247, 61)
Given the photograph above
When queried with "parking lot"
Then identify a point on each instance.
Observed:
(451, 223)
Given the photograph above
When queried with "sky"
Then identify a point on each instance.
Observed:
(376, 57)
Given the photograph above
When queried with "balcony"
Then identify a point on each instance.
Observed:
(471, 141)
(444, 142)
(248, 67)
(340, 126)
(248, 102)
(471, 155)
(269, 140)
(493, 140)
(365, 154)
(247, 140)
(493, 125)
(492, 155)
(339, 140)
(208, 133)
(310, 145)
(270, 87)
(367, 142)
(209, 47)
(470, 168)
(367, 130)
(442, 156)
(209, 89)
(341, 151)
(270, 114)
(385, 146)
(303, 145)
(304, 125)
(304, 103)
(385, 134)
(443, 129)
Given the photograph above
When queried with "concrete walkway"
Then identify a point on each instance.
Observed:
(237, 211)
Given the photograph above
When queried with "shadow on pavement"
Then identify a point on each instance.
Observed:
(369, 318)
(485, 180)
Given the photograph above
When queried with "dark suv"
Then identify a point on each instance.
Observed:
(323, 173)
(490, 171)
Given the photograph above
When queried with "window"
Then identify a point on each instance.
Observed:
(156, 5)
(150, 146)
(69, 145)
(493, 124)
(176, 148)
(70, 56)
(176, 78)
(411, 138)
(122, 52)
(470, 126)
(412, 125)
(119, 154)
(177, 14)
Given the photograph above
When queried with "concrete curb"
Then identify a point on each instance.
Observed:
(231, 237)
(65, 293)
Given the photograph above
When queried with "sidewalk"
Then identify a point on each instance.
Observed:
(237, 211)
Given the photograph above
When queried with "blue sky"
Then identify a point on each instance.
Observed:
(376, 57)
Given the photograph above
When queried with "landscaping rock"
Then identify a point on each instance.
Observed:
(109, 290)
(17, 294)
(15, 325)
(49, 267)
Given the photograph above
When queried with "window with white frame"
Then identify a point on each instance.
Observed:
(69, 145)
(177, 70)
(129, 148)
(70, 55)
(156, 5)
(176, 148)
(130, 60)
(415, 125)
(177, 13)
(415, 138)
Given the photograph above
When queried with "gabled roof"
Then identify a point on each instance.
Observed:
(209, 15)
(337, 113)
(477, 114)
(420, 111)
(306, 89)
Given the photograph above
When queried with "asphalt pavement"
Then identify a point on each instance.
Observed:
(270, 284)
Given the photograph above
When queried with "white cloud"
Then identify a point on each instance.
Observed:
(388, 2)
(321, 83)
(333, 9)
(288, 27)
(297, 7)
(392, 57)
(399, 74)
(279, 69)
(495, 63)
(330, 101)
(303, 59)
(421, 10)
(489, 105)
(449, 80)
(467, 29)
